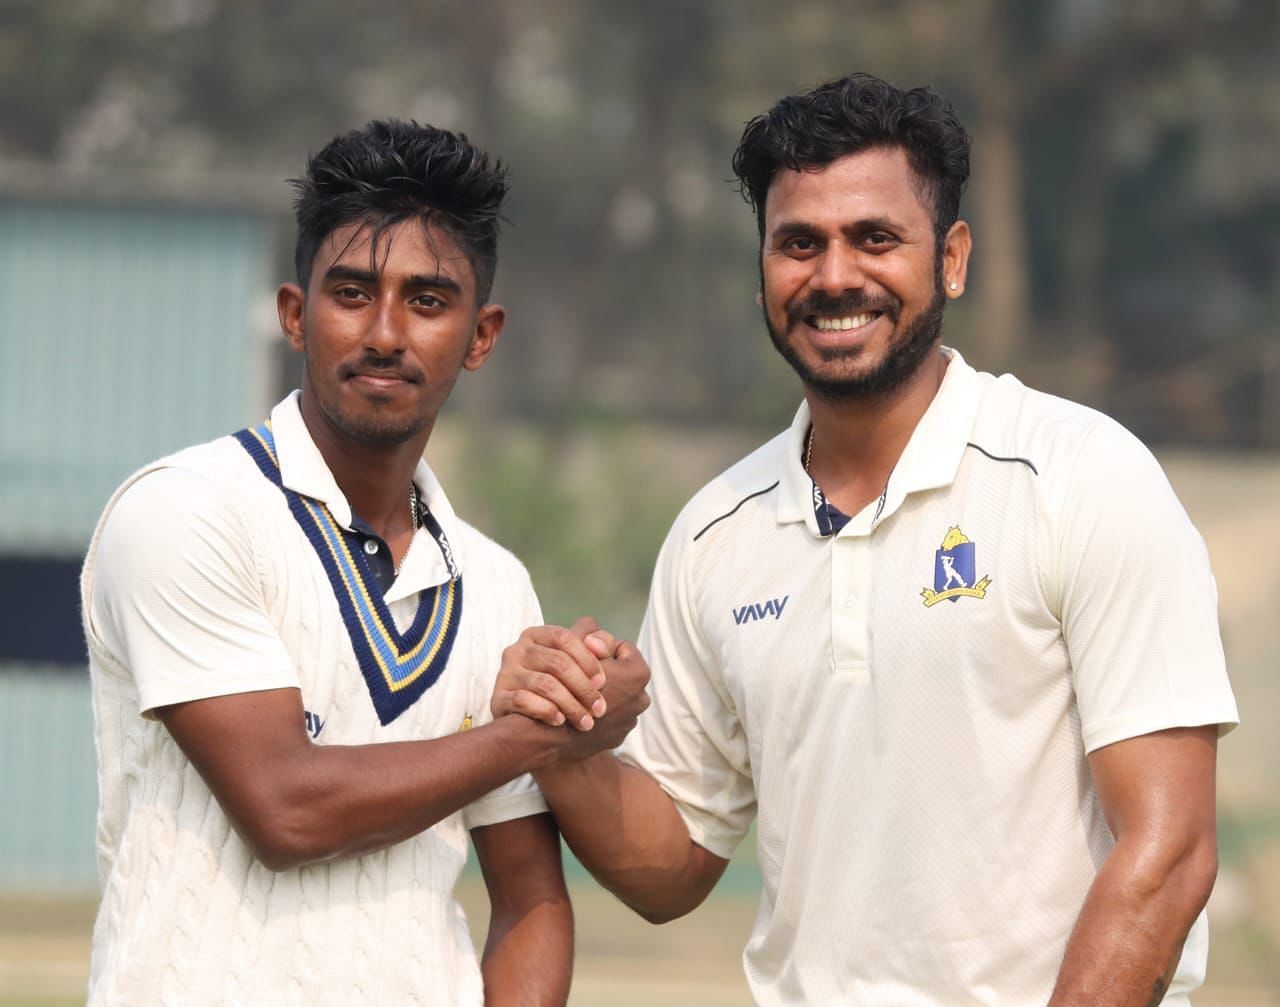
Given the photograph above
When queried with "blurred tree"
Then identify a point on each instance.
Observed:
(1123, 197)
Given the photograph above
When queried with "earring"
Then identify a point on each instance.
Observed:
(954, 285)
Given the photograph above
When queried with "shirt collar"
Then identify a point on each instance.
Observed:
(303, 470)
(931, 458)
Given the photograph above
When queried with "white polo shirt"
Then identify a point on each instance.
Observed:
(906, 707)
(202, 582)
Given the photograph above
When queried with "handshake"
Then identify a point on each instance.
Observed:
(580, 682)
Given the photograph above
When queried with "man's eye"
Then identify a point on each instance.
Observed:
(428, 301)
(879, 239)
(800, 245)
(349, 293)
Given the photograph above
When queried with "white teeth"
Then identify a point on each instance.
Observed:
(843, 324)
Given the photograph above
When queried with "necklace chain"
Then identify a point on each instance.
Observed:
(414, 524)
(808, 450)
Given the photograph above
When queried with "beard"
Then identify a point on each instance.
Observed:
(375, 426)
(907, 349)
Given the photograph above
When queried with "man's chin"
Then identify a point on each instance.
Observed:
(840, 374)
(379, 430)
(840, 385)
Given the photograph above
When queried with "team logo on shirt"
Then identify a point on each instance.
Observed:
(954, 571)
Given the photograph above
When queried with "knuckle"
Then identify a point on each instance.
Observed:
(562, 665)
(529, 705)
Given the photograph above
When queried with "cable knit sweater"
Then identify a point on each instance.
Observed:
(188, 915)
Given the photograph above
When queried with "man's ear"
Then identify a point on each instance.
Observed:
(489, 322)
(289, 304)
(955, 258)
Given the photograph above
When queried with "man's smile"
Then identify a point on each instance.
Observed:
(842, 324)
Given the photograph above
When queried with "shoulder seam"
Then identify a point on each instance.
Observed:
(714, 521)
(998, 458)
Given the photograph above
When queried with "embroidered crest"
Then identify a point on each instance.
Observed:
(397, 667)
(954, 571)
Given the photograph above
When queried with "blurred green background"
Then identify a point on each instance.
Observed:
(1126, 214)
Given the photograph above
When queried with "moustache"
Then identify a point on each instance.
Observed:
(851, 302)
(381, 367)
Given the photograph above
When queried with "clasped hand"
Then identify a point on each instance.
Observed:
(580, 679)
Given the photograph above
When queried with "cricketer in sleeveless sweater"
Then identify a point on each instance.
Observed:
(201, 582)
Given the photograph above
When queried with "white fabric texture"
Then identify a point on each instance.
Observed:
(927, 825)
(201, 583)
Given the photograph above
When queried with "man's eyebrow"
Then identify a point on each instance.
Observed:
(438, 281)
(341, 272)
(794, 228)
(880, 223)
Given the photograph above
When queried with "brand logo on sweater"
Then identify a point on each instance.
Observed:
(315, 724)
(761, 610)
(954, 571)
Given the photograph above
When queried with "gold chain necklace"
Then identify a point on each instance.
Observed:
(808, 450)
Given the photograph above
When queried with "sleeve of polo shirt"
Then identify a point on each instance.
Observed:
(690, 740)
(521, 797)
(177, 598)
(1138, 602)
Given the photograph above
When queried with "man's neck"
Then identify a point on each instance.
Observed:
(375, 479)
(857, 443)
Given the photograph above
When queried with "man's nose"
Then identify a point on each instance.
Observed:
(839, 269)
(385, 334)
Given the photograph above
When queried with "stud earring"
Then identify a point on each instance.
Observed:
(954, 285)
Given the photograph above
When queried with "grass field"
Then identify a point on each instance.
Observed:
(621, 961)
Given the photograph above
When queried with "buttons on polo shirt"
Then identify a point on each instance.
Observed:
(850, 597)
(370, 547)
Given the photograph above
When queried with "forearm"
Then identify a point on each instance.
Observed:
(528, 956)
(337, 800)
(1129, 934)
(295, 802)
(625, 829)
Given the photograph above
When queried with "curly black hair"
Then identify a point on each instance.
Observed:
(858, 112)
(391, 171)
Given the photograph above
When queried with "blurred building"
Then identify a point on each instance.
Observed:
(136, 317)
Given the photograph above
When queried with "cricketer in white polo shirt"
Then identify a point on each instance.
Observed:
(951, 643)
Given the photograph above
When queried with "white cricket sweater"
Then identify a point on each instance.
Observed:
(189, 916)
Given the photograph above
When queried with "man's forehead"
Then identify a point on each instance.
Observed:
(408, 246)
(876, 183)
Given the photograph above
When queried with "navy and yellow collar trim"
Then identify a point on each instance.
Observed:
(397, 667)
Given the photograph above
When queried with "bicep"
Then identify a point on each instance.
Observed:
(1159, 785)
(704, 871)
(243, 746)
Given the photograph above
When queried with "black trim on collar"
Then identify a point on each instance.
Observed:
(736, 507)
(997, 458)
